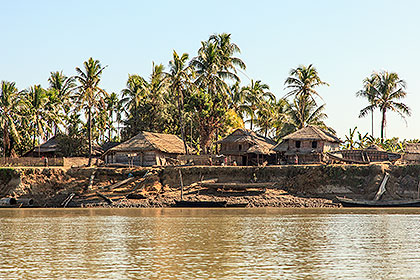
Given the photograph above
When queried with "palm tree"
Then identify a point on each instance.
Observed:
(255, 95)
(303, 112)
(303, 81)
(90, 96)
(386, 89)
(369, 92)
(36, 100)
(111, 106)
(227, 50)
(8, 113)
(60, 90)
(179, 80)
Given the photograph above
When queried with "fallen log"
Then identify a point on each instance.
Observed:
(121, 183)
(105, 198)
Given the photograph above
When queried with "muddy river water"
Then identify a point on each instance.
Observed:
(210, 244)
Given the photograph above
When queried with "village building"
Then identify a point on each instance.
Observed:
(245, 147)
(411, 153)
(48, 149)
(307, 145)
(146, 149)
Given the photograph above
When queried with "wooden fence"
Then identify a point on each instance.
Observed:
(32, 161)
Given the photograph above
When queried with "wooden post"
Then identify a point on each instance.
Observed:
(182, 184)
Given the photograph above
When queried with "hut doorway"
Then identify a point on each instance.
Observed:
(244, 160)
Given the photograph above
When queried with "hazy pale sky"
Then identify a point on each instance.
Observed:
(345, 40)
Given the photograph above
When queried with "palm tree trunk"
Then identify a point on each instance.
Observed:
(383, 124)
(90, 136)
(181, 121)
(372, 122)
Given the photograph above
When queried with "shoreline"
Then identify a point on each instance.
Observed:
(304, 186)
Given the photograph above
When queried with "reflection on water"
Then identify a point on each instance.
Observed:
(209, 244)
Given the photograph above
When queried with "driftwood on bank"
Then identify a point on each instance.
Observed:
(121, 183)
(67, 200)
(105, 198)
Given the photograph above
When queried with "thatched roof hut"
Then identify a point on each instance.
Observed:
(307, 145)
(152, 141)
(147, 148)
(243, 135)
(47, 149)
(244, 146)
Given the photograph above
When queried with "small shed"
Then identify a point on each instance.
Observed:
(146, 149)
(411, 153)
(307, 145)
(245, 147)
(47, 149)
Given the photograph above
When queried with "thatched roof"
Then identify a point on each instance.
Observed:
(243, 135)
(281, 147)
(261, 149)
(312, 133)
(51, 146)
(413, 148)
(151, 141)
(260, 144)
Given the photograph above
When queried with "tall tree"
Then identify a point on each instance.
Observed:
(369, 92)
(9, 105)
(213, 66)
(112, 103)
(303, 81)
(59, 92)
(387, 88)
(39, 112)
(90, 96)
(256, 96)
(179, 80)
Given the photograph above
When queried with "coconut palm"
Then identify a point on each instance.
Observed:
(112, 103)
(39, 112)
(227, 50)
(89, 96)
(385, 90)
(179, 80)
(369, 93)
(302, 112)
(303, 81)
(9, 105)
(256, 95)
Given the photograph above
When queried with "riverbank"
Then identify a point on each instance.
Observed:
(270, 186)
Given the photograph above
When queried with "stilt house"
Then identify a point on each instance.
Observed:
(146, 149)
(245, 147)
(307, 145)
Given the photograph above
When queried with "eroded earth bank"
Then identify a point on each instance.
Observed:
(271, 186)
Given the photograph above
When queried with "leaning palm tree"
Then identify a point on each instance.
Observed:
(303, 81)
(90, 97)
(387, 88)
(179, 82)
(8, 113)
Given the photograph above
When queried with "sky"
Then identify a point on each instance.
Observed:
(345, 40)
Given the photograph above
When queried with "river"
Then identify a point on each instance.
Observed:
(209, 244)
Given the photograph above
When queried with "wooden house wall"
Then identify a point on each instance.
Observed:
(234, 148)
(147, 158)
